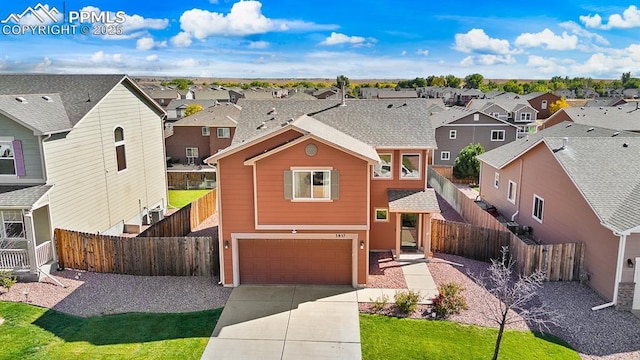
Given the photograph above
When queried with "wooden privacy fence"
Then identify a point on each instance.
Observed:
(463, 205)
(167, 256)
(560, 262)
(183, 221)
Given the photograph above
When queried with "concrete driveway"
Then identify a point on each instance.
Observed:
(287, 322)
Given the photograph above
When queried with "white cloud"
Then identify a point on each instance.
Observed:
(404, 53)
(134, 22)
(190, 62)
(244, 18)
(44, 65)
(100, 57)
(546, 65)
(630, 18)
(581, 32)
(152, 58)
(547, 39)
(183, 39)
(616, 62)
(476, 41)
(422, 52)
(147, 43)
(338, 38)
(258, 45)
(487, 60)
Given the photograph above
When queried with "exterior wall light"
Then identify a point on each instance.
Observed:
(361, 245)
(226, 244)
(629, 263)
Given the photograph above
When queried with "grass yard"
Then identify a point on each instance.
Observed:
(179, 198)
(31, 332)
(387, 337)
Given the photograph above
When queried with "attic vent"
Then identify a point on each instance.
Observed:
(21, 99)
(590, 129)
(47, 98)
(615, 134)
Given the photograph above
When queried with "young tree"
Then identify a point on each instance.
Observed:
(192, 109)
(453, 81)
(339, 81)
(466, 164)
(557, 105)
(473, 81)
(515, 296)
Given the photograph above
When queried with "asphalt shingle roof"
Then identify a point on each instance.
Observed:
(603, 163)
(419, 201)
(176, 103)
(43, 113)
(505, 103)
(23, 198)
(624, 117)
(223, 115)
(79, 93)
(379, 123)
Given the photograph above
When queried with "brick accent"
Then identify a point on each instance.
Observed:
(625, 296)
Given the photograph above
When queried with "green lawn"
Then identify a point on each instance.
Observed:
(388, 337)
(179, 198)
(31, 332)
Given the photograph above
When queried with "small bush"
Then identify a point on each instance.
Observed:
(379, 304)
(407, 301)
(449, 300)
(7, 280)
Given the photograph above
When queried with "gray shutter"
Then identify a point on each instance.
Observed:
(335, 185)
(288, 185)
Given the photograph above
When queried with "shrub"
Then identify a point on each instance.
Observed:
(449, 300)
(7, 280)
(379, 304)
(407, 301)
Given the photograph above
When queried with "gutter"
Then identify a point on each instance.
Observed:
(621, 246)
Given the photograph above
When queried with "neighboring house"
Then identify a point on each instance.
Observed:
(587, 93)
(164, 97)
(187, 94)
(324, 93)
(622, 117)
(397, 94)
(605, 102)
(235, 94)
(463, 96)
(631, 93)
(575, 183)
(308, 188)
(565, 93)
(176, 108)
(215, 94)
(458, 127)
(541, 102)
(613, 93)
(79, 152)
(515, 111)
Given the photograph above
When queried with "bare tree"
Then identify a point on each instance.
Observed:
(516, 294)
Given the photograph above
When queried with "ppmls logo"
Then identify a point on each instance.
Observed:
(41, 12)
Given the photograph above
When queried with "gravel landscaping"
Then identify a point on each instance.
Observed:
(89, 294)
(384, 272)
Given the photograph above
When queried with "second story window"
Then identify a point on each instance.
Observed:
(453, 134)
(543, 105)
(384, 170)
(121, 154)
(410, 166)
(525, 116)
(311, 185)
(224, 133)
(205, 131)
(497, 135)
(7, 158)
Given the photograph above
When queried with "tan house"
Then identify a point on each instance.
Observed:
(308, 188)
(80, 152)
(575, 183)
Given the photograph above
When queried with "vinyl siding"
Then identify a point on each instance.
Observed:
(30, 150)
(89, 193)
(631, 252)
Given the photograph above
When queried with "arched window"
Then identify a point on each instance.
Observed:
(121, 157)
(544, 104)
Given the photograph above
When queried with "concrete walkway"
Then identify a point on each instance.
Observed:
(287, 322)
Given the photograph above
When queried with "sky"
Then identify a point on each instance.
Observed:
(283, 39)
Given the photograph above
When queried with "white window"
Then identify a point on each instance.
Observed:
(525, 116)
(453, 134)
(495, 114)
(511, 194)
(7, 159)
(224, 133)
(543, 105)
(476, 117)
(192, 155)
(12, 225)
(311, 184)
(233, 99)
(121, 153)
(381, 215)
(384, 170)
(538, 207)
(496, 180)
(410, 166)
(206, 131)
(445, 155)
(497, 135)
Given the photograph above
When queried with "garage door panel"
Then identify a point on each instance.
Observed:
(295, 261)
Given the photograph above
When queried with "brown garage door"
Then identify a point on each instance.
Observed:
(298, 261)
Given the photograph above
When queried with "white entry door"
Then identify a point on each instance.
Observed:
(636, 293)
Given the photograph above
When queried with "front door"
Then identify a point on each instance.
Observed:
(409, 231)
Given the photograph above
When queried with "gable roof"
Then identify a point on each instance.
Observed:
(379, 123)
(456, 113)
(214, 116)
(419, 201)
(41, 113)
(509, 105)
(623, 117)
(602, 163)
(23, 198)
(178, 103)
(79, 93)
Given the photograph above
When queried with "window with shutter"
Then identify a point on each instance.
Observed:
(311, 185)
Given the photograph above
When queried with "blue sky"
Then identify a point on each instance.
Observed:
(320, 39)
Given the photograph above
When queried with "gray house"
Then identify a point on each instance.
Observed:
(515, 111)
(79, 152)
(458, 127)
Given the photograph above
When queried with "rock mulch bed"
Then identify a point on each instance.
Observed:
(384, 272)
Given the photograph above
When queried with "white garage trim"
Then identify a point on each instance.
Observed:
(260, 236)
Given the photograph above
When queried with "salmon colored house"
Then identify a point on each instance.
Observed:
(576, 183)
(308, 188)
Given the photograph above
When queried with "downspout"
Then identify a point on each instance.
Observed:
(622, 244)
(519, 189)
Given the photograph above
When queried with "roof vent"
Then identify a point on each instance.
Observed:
(272, 111)
(615, 134)
(565, 141)
(625, 145)
(601, 108)
(21, 99)
(590, 129)
(47, 98)
(569, 125)
(389, 106)
(262, 126)
(581, 107)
